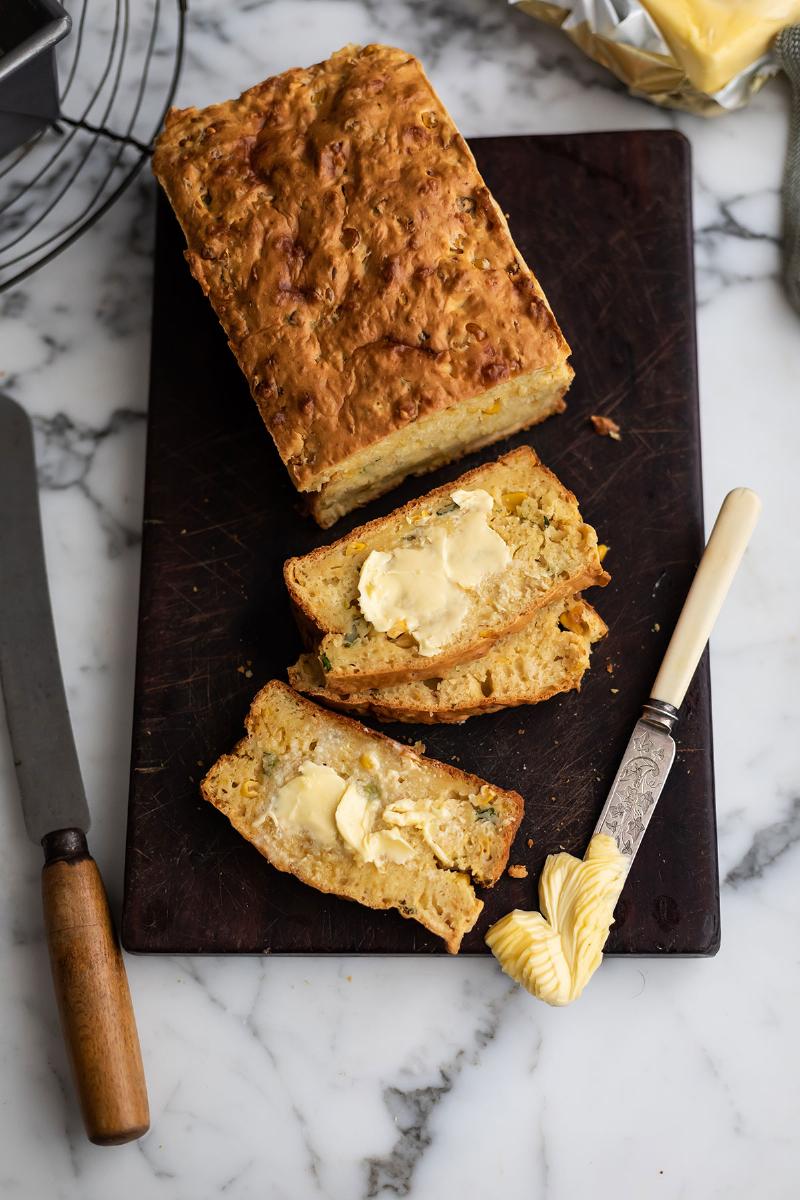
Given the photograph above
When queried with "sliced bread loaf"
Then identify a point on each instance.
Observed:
(548, 656)
(352, 812)
(440, 580)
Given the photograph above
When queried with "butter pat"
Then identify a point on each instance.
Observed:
(714, 40)
(308, 803)
(354, 818)
(424, 587)
(554, 953)
(323, 805)
(403, 813)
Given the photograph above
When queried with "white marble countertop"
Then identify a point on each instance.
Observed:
(354, 1078)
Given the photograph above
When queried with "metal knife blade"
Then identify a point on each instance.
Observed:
(49, 777)
(640, 779)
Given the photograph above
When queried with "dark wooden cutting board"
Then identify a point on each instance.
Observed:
(605, 220)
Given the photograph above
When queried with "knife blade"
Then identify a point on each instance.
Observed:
(89, 977)
(640, 779)
(36, 705)
(650, 752)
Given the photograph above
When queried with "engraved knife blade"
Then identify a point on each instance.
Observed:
(640, 779)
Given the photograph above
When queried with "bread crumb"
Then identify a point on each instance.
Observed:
(248, 674)
(656, 628)
(518, 871)
(530, 843)
(614, 691)
(520, 732)
(349, 978)
(606, 427)
(610, 668)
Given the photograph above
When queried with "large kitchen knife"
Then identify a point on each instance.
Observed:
(91, 986)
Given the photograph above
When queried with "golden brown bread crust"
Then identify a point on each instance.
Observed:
(363, 273)
(369, 703)
(312, 631)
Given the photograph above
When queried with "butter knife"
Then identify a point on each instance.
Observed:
(91, 986)
(650, 753)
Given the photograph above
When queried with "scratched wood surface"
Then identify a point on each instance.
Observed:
(605, 221)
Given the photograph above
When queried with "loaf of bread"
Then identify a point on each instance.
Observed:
(550, 655)
(442, 579)
(365, 277)
(351, 812)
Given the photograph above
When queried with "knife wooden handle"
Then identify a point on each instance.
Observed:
(91, 987)
(720, 561)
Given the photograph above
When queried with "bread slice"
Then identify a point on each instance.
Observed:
(367, 281)
(553, 553)
(456, 828)
(548, 656)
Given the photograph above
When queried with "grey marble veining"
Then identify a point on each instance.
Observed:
(350, 1078)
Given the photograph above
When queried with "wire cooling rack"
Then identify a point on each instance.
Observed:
(118, 71)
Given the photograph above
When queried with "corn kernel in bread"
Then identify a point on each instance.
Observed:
(352, 812)
(548, 656)
(365, 277)
(551, 554)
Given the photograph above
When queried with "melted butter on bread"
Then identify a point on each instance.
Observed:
(424, 586)
(320, 803)
(308, 802)
(354, 817)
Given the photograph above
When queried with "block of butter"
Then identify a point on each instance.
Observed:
(707, 56)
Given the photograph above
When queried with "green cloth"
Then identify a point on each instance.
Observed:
(787, 49)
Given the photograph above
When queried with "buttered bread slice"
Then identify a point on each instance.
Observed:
(352, 812)
(441, 580)
(550, 655)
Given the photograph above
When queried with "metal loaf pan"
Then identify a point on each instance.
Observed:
(29, 30)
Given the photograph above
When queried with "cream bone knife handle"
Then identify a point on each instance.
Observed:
(91, 988)
(720, 561)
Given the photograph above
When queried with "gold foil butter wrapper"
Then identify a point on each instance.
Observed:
(703, 56)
